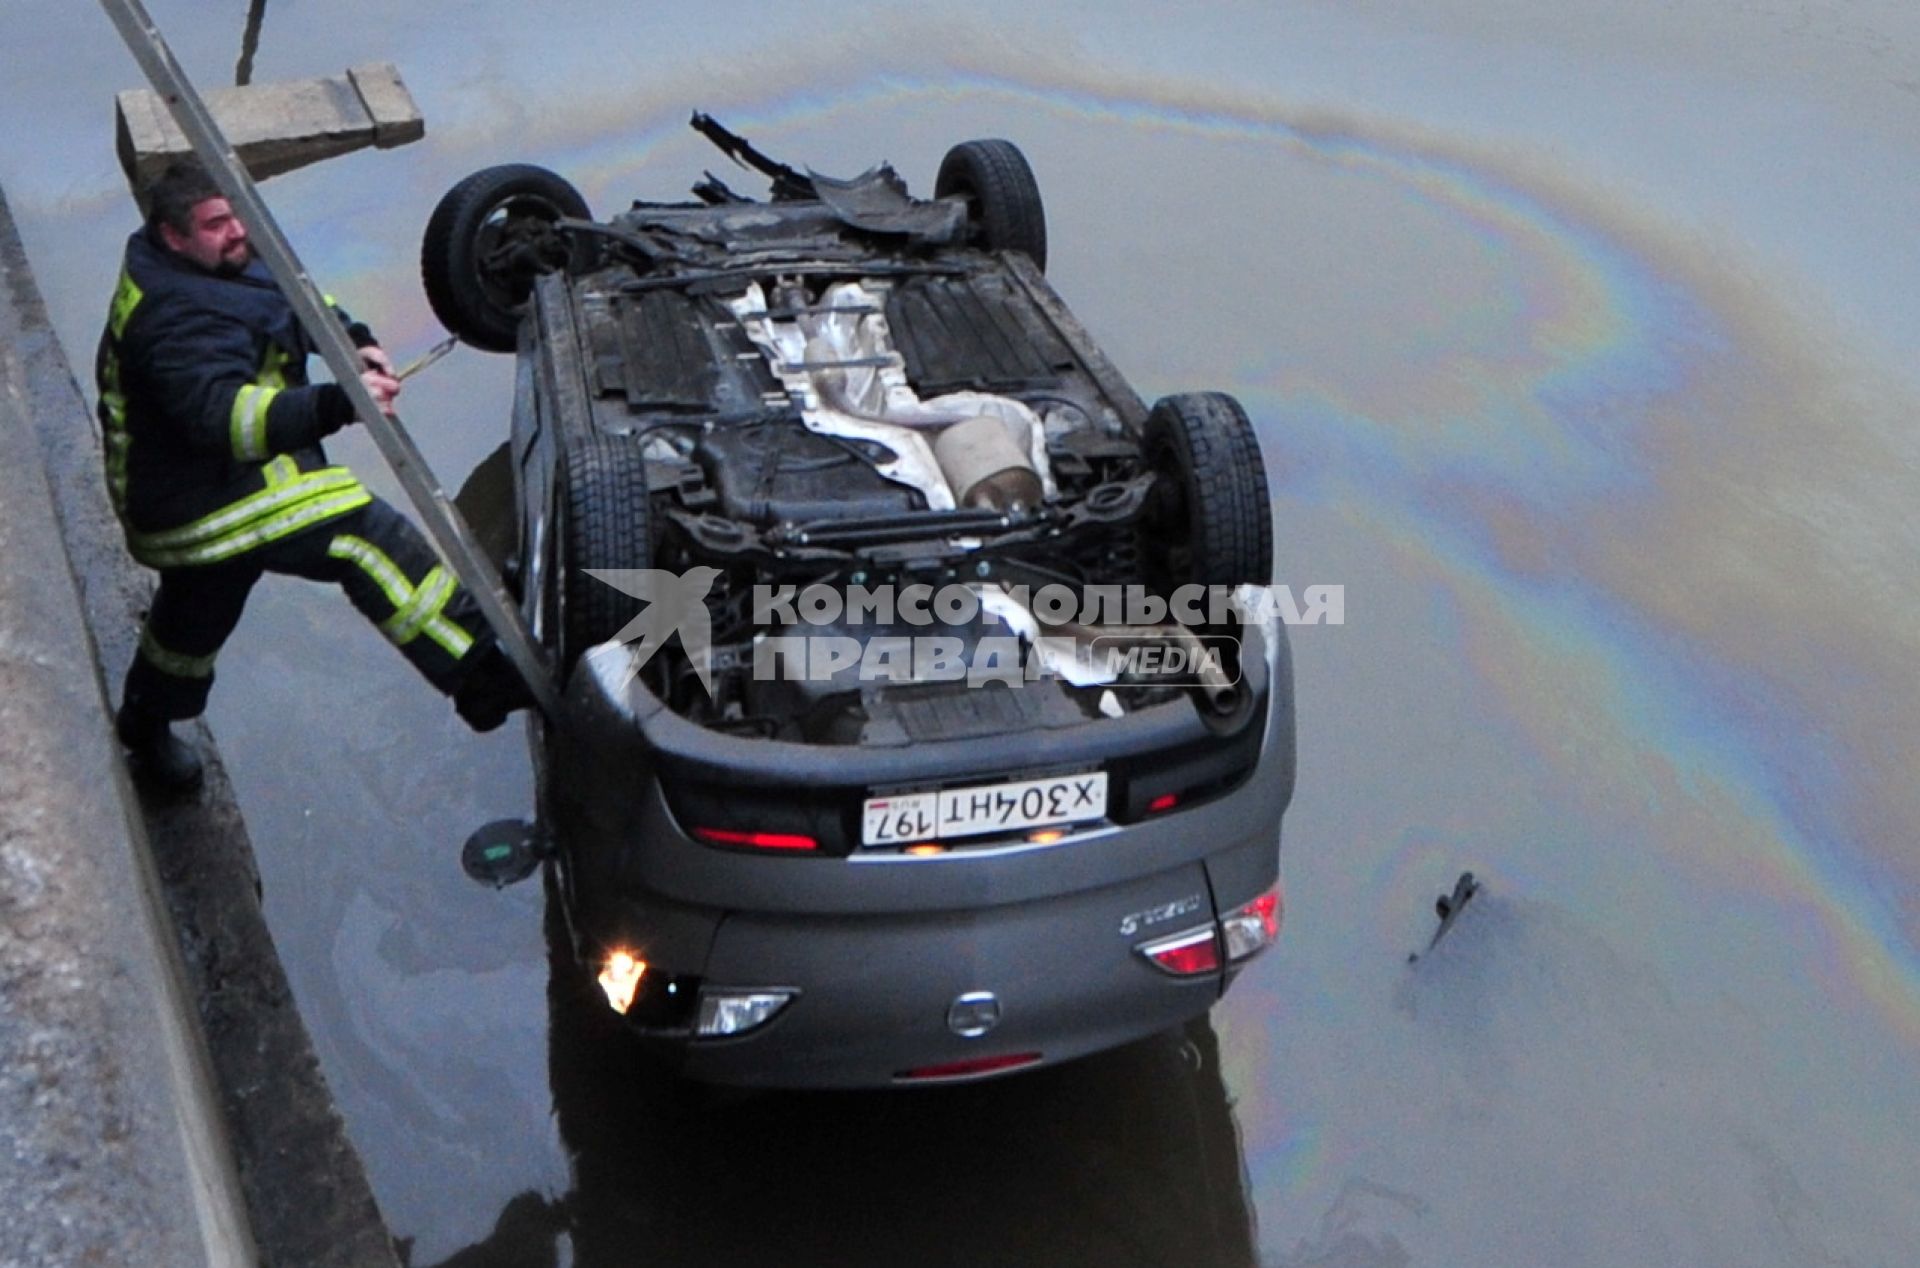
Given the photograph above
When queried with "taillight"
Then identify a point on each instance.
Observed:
(967, 1069)
(1173, 781)
(1185, 954)
(757, 840)
(1253, 928)
(810, 822)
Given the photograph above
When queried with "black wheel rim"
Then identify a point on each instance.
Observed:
(511, 246)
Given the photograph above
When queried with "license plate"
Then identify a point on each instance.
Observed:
(964, 812)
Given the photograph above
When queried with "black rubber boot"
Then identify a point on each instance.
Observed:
(158, 758)
(491, 690)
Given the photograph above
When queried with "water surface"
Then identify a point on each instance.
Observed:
(1581, 343)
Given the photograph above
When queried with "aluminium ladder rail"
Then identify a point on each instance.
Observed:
(444, 525)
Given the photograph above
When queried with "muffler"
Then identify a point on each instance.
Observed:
(985, 467)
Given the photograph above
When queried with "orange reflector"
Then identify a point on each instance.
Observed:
(757, 840)
(968, 1069)
(1165, 801)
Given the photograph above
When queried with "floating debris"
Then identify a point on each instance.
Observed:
(1448, 907)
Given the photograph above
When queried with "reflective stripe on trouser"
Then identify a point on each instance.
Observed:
(373, 553)
(193, 612)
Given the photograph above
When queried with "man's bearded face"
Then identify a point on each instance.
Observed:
(216, 240)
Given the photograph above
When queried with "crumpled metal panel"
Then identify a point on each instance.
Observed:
(877, 201)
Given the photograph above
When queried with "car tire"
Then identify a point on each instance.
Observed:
(1215, 522)
(475, 297)
(605, 522)
(1003, 199)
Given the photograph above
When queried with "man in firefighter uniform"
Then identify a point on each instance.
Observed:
(212, 438)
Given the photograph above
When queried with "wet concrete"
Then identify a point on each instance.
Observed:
(110, 1148)
(280, 1144)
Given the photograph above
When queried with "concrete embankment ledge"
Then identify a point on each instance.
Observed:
(160, 1102)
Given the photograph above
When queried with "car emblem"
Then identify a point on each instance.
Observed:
(1136, 921)
(973, 1014)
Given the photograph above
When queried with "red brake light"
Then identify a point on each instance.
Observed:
(1186, 954)
(757, 840)
(967, 1069)
(1165, 801)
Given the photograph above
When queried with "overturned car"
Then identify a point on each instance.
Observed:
(924, 719)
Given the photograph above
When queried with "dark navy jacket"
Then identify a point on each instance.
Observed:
(205, 407)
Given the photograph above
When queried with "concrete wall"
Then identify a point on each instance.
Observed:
(114, 1152)
(160, 1102)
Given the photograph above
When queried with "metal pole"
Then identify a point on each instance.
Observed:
(249, 43)
(443, 522)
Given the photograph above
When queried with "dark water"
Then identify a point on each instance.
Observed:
(1581, 341)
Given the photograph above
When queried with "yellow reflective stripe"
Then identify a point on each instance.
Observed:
(118, 444)
(374, 562)
(451, 637)
(428, 598)
(174, 663)
(269, 530)
(118, 441)
(126, 298)
(252, 507)
(248, 421)
(417, 609)
(280, 470)
(273, 367)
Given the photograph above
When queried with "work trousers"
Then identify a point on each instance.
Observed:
(379, 558)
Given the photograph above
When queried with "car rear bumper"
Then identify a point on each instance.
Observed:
(877, 947)
(875, 994)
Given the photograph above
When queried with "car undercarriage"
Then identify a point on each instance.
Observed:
(854, 547)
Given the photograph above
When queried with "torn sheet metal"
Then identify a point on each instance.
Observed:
(877, 201)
